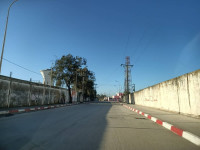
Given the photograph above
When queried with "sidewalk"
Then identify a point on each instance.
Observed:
(180, 122)
(184, 122)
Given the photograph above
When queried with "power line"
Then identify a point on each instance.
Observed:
(21, 66)
(127, 43)
(112, 72)
(139, 42)
(155, 32)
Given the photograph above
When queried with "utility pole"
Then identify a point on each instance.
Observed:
(50, 85)
(51, 73)
(4, 39)
(76, 88)
(76, 81)
(127, 80)
(83, 88)
(82, 74)
(95, 88)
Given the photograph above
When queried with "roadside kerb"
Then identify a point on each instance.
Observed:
(14, 111)
(185, 134)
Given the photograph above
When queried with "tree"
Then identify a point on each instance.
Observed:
(64, 71)
(89, 79)
(85, 83)
(101, 96)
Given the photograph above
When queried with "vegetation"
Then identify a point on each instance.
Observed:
(87, 83)
(73, 73)
(101, 96)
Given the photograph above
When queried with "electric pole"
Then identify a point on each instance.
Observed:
(83, 75)
(127, 80)
(95, 91)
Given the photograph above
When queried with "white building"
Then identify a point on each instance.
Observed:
(46, 74)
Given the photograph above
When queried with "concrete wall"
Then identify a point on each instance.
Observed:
(131, 98)
(181, 94)
(15, 92)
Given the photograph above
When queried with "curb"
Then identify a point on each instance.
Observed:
(14, 111)
(186, 135)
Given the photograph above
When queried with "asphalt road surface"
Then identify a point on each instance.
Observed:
(104, 126)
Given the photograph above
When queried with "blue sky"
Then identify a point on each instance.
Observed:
(162, 38)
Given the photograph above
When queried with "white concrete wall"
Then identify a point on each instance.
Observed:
(194, 91)
(131, 98)
(181, 94)
(15, 93)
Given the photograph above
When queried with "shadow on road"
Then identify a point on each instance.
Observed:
(77, 127)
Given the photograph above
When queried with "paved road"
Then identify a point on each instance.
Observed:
(85, 127)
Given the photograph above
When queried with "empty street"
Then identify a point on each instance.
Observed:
(103, 126)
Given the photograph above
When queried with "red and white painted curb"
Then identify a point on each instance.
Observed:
(187, 135)
(34, 109)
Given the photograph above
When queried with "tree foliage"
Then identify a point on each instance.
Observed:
(72, 72)
(87, 84)
(101, 96)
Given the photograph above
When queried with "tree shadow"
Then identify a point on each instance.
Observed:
(76, 127)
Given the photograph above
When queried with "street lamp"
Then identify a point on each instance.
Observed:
(4, 39)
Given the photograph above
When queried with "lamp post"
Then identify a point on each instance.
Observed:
(4, 39)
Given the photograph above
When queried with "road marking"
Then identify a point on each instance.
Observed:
(167, 125)
(4, 112)
(153, 119)
(27, 110)
(149, 117)
(21, 110)
(159, 122)
(13, 111)
(177, 130)
(33, 109)
(191, 137)
(187, 135)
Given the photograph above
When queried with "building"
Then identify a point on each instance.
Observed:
(46, 74)
(117, 97)
(120, 95)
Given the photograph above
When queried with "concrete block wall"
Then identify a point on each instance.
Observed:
(181, 94)
(16, 93)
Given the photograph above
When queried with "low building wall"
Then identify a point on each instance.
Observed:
(181, 94)
(16, 93)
